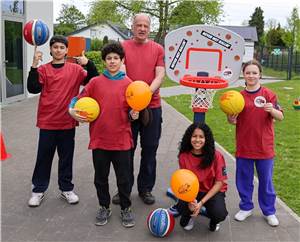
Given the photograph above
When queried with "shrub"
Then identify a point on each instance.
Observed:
(95, 56)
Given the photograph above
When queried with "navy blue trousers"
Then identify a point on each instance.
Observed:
(49, 142)
(149, 138)
(244, 183)
(120, 160)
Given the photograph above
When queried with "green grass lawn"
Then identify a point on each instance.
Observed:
(287, 137)
(279, 74)
(168, 82)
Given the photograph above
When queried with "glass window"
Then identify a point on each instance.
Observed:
(13, 6)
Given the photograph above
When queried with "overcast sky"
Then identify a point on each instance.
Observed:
(235, 11)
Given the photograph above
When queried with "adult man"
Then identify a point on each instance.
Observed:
(144, 60)
(58, 81)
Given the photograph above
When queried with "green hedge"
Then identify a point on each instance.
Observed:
(95, 56)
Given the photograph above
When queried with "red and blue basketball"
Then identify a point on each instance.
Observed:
(36, 32)
(160, 222)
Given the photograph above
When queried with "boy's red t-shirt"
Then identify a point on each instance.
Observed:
(112, 129)
(59, 86)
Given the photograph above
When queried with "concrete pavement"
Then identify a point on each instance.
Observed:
(55, 220)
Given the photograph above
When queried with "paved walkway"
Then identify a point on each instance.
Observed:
(55, 220)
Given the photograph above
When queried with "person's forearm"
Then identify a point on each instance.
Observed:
(213, 191)
(276, 114)
(91, 71)
(159, 77)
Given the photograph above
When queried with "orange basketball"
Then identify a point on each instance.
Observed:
(185, 185)
(138, 95)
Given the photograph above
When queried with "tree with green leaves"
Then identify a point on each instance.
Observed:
(195, 12)
(69, 20)
(257, 20)
(166, 13)
(294, 29)
(274, 36)
(103, 11)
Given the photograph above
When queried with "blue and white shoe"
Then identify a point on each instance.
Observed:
(173, 210)
(171, 194)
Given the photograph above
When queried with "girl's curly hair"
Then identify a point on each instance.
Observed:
(208, 150)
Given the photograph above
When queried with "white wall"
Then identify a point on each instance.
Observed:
(42, 10)
(99, 32)
(249, 51)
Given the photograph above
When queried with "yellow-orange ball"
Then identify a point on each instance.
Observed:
(88, 107)
(232, 102)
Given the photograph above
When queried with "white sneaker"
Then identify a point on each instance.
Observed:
(272, 220)
(36, 199)
(70, 196)
(242, 215)
(190, 225)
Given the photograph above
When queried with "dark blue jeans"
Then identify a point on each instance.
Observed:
(149, 138)
(49, 141)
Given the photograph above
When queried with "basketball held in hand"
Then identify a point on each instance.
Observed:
(232, 102)
(138, 95)
(87, 107)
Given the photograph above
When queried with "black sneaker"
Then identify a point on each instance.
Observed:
(147, 197)
(102, 216)
(213, 226)
(127, 218)
(116, 199)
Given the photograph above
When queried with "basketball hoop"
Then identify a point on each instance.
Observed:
(205, 90)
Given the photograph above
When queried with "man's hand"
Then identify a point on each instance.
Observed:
(37, 57)
(134, 114)
(82, 60)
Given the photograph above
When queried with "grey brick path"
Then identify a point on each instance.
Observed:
(55, 220)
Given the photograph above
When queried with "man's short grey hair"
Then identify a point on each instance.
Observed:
(141, 14)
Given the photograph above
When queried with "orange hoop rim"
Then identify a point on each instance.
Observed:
(203, 82)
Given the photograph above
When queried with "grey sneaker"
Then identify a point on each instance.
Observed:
(102, 216)
(127, 218)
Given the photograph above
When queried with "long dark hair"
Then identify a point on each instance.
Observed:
(208, 150)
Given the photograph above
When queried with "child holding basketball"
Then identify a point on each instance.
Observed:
(255, 144)
(197, 153)
(110, 134)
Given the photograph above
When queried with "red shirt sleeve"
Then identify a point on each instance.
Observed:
(182, 161)
(220, 167)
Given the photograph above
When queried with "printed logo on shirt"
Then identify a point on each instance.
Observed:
(260, 101)
(224, 171)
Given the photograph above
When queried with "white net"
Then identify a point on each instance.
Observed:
(202, 99)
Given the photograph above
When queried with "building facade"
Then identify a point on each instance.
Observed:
(16, 54)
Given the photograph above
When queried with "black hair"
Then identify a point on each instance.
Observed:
(208, 150)
(112, 47)
(60, 39)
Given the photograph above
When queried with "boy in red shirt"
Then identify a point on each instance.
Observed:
(110, 134)
(57, 81)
